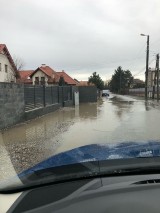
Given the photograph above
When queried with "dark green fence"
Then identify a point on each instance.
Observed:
(41, 96)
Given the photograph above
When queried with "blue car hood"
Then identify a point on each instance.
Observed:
(98, 152)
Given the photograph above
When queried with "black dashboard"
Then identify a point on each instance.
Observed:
(130, 194)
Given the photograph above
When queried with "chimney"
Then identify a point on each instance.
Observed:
(43, 65)
(62, 70)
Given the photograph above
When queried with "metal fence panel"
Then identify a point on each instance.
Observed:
(41, 96)
(141, 90)
(48, 96)
(29, 97)
(87, 94)
(60, 92)
(55, 94)
(66, 93)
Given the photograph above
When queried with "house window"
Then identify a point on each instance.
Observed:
(6, 68)
(0, 67)
(42, 80)
(36, 80)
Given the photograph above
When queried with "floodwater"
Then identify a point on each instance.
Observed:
(111, 120)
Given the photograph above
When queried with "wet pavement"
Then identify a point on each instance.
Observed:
(111, 120)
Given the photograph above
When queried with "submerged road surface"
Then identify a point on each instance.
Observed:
(111, 120)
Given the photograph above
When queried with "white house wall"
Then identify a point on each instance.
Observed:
(39, 74)
(9, 76)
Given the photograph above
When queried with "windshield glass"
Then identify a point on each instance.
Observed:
(79, 89)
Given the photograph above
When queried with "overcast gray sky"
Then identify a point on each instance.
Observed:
(81, 36)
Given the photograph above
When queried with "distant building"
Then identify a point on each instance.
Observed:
(151, 75)
(24, 76)
(7, 67)
(68, 80)
(85, 83)
(44, 75)
(137, 83)
(76, 80)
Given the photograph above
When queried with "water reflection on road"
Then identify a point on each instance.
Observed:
(110, 120)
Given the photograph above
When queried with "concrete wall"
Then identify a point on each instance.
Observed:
(141, 91)
(87, 94)
(6, 76)
(11, 104)
(41, 111)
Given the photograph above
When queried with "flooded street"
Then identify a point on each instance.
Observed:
(111, 120)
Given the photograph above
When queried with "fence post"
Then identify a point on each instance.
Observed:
(44, 96)
(62, 96)
(25, 99)
(58, 92)
(34, 93)
(52, 93)
(71, 95)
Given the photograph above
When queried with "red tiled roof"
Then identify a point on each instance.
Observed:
(25, 73)
(24, 76)
(67, 78)
(49, 72)
(85, 83)
(3, 48)
(53, 75)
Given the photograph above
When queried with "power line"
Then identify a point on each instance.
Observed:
(142, 70)
(140, 50)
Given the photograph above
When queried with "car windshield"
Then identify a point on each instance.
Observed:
(79, 90)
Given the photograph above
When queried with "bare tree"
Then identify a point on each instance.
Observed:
(13, 73)
(19, 63)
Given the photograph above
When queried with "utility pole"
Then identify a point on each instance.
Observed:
(146, 74)
(155, 81)
(157, 63)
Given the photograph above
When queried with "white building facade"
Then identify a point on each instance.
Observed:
(40, 78)
(7, 67)
(44, 75)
